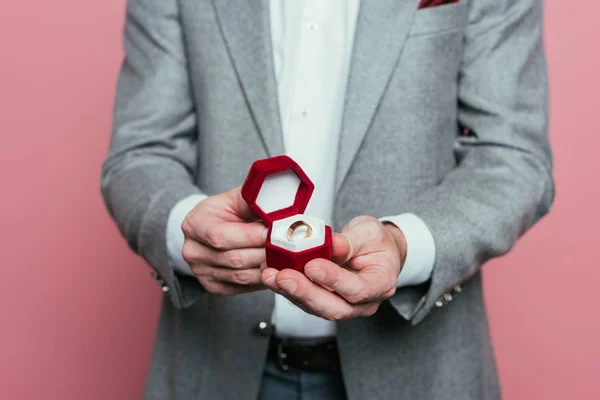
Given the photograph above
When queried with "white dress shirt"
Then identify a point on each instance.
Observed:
(312, 46)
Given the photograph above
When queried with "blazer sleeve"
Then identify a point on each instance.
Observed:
(503, 182)
(153, 146)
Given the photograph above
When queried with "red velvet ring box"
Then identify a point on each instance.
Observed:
(278, 191)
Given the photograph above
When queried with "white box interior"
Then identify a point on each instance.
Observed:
(280, 230)
(278, 191)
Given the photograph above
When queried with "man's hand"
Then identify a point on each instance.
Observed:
(370, 257)
(224, 245)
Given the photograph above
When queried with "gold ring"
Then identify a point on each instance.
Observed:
(298, 224)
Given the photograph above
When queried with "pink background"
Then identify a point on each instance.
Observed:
(79, 310)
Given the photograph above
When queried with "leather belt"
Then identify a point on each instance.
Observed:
(305, 355)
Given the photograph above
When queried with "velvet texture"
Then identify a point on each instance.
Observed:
(278, 257)
(256, 177)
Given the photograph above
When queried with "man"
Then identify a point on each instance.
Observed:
(423, 125)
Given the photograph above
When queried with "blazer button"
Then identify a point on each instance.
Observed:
(165, 289)
(264, 328)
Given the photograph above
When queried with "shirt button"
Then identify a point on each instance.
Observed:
(313, 26)
(304, 113)
(439, 303)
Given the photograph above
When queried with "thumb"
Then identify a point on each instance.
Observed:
(342, 250)
(239, 206)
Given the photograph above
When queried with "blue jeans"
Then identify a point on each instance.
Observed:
(280, 385)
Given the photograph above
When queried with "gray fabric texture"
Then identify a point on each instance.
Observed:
(196, 105)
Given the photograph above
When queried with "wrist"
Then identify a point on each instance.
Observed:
(399, 239)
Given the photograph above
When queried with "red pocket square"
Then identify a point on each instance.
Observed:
(435, 3)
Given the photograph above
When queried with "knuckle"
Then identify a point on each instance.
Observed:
(226, 291)
(370, 311)
(187, 227)
(360, 294)
(188, 251)
(234, 259)
(392, 284)
(199, 270)
(216, 239)
(361, 219)
(340, 315)
(391, 292)
(355, 221)
(210, 286)
(241, 277)
(216, 288)
(359, 297)
(380, 234)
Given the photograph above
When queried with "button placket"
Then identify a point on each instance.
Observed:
(314, 10)
(306, 87)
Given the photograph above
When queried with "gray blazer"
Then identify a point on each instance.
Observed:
(445, 117)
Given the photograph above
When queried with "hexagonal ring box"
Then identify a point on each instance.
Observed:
(278, 191)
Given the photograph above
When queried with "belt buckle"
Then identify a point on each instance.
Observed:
(281, 356)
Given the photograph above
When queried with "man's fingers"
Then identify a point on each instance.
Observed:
(268, 277)
(312, 298)
(234, 235)
(240, 207)
(228, 289)
(197, 253)
(317, 300)
(342, 249)
(232, 276)
(364, 286)
(361, 234)
(239, 258)
(335, 278)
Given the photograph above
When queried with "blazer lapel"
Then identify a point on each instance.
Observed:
(245, 26)
(381, 31)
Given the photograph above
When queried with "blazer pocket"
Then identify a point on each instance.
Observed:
(444, 18)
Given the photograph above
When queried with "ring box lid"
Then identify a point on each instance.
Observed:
(277, 188)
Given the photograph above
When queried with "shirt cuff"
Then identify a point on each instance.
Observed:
(175, 236)
(420, 249)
